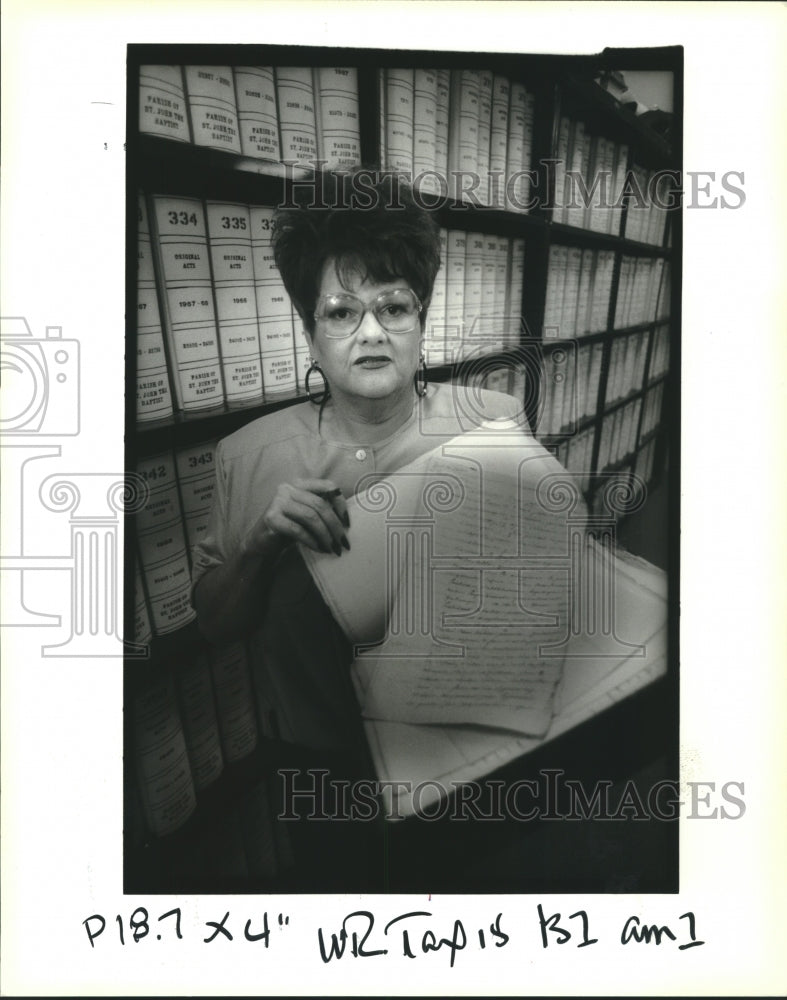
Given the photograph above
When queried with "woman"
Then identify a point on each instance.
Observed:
(361, 279)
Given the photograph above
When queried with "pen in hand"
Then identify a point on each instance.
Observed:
(329, 496)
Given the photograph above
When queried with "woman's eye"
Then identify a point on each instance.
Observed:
(341, 314)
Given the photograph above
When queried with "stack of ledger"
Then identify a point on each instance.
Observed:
(485, 618)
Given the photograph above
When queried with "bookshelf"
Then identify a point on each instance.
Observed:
(596, 348)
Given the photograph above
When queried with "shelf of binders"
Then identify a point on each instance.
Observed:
(214, 830)
(630, 433)
(612, 191)
(201, 746)
(198, 796)
(598, 409)
(168, 167)
(183, 429)
(619, 452)
(229, 837)
(582, 96)
(592, 133)
(569, 235)
(631, 457)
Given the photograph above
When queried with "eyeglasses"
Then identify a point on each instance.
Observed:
(396, 311)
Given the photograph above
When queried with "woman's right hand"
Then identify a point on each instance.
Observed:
(310, 511)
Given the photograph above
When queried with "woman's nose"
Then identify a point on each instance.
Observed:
(370, 328)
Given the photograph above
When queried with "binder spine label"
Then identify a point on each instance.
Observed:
(162, 103)
(185, 267)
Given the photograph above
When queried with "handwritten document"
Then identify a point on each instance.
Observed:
(435, 758)
(460, 574)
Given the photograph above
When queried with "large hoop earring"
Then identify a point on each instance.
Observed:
(421, 377)
(321, 395)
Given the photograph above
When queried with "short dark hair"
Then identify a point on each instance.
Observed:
(368, 222)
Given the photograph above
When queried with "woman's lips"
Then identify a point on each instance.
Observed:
(373, 361)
